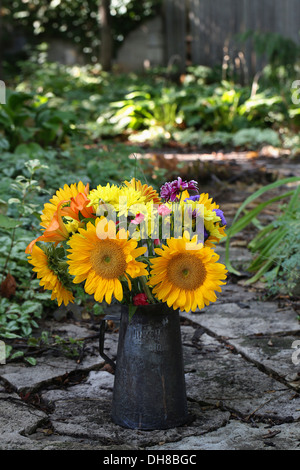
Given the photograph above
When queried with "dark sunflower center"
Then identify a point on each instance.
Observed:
(186, 271)
(108, 259)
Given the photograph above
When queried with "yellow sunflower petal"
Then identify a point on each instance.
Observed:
(186, 278)
(103, 261)
(48, 278)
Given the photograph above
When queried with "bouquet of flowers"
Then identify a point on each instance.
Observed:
(130, 244)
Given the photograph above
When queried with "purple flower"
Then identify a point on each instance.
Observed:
(219, 212)
(221, 215)
(170, 191)
(165, 191)
(193, 198)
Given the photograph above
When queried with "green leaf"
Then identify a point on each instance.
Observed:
(34, 324)
(8, 350)
(14, 200)
(12, 316)
(32, 342)
(262, 190)
(98, 309)
(31, 307)
(17, 354)
(7, 223)
(31, 360)
(261, 271)
(8, 335)
(26, 330)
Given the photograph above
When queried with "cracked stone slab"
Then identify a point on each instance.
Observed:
(84, 411)
(68, 330)
(231, 320)
(40, 441)
(244, 391)
(14, 441)
(274, 353)
(217, 376)
(17, 417)
(219, 383)
(237, 435)
(237, 294)
(24, 378)
(197, 346)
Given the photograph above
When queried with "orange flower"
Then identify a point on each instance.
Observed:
(55, 232)
(79, 204)
(147, 191)
(63, 194)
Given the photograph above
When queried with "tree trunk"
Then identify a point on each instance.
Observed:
(106, 47)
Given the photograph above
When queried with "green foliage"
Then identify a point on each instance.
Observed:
(255, 137)
(26, 117)
(83, 104)
(18, 320)
(276, 246)
(21, 306)
(70, 347)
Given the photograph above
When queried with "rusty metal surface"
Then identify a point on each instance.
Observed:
(149, 389)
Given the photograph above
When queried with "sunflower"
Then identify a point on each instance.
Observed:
(103, 257)
(48, 278)
(185, 274)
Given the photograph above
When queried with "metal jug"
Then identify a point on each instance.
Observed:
(149, 388)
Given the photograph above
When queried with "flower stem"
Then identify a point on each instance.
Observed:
(147, 290)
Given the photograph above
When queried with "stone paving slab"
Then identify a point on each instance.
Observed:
(262, 332)
(273, 353)
(26, 379)
(241, 256)
(214, 376)
(234, 293)
(17, 417)
(83, 411)
(241, 385)
(240, 436)
(232, 320)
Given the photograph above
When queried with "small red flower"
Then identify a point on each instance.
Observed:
(140, 299)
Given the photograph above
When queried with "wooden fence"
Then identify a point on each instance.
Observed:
(204, 31)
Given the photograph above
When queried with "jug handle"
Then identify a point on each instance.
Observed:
(101, 346)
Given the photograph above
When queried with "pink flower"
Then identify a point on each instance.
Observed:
(138, 219)
(140, 299)
(163, 210)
